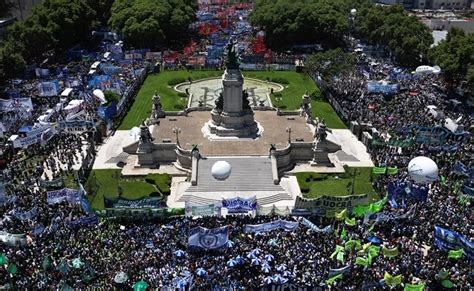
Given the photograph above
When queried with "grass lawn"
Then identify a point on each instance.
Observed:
(104, 183)
(314, 185)
(297, 85)
(141, 108)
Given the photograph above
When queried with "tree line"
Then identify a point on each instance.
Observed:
(58, 25)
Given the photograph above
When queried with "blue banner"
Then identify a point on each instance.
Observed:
(278, 224)
(83, 221)
(400, 190)
(467, 190)
(65, 194)
(315, 228)
(376, 87)
(461, 169)
(24, 215)
(204, 238)
(235, 205)
(446, 240)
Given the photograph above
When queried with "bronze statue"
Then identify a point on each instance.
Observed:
(232, 61)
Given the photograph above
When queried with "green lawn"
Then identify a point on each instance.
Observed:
(314, 185)
(105, 183)
(297, 85)
(141, 108)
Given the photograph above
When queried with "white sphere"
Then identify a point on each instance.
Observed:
(353, 11)
(423, 170)
(221, 170)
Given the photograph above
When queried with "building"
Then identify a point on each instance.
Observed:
(22, 8)
(4, 23)
(430, 4)
(440, 23)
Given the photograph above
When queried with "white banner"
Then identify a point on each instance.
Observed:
(41, 135)
(206, 210)
(47, 89)
(18, 104)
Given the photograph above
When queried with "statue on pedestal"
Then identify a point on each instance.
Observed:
(232, 61)
(145, 135)
(157, 111)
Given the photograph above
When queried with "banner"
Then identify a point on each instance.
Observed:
(55, 183)
(24, 215)
(76, 126)
(401, 190)
(204, 238)
(461, 169)
(205, 210)
(386, 216)
(376, 87)
(390, 253)
(39, 135)
(379, 170)
(65, 194)
(147, 202)
(47, 89)
(83, 221)
(467, 190)
(13, 239)
(269, 226)
(328, 205)
(343, 270)
(239, 205)
(18, 104)
(446, 240)
(315, 228)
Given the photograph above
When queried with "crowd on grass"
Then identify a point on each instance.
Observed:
(57, 255)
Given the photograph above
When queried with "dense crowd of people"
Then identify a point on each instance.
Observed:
(54, 253)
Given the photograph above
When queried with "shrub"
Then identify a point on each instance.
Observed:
(280, 81)
(176, 81)
(277, 94)
(181, 94)
(110, 97)
(305, 189)
(282, 107)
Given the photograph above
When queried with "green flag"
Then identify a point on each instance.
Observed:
(338, 250)
(442, 180)
(390, 253)
(333, 279)
(360, 210)
(350, 221)
(392, 281)
(140, 286)
(455, 254)
(3, 259)
(447, 284)
(46, 263)
(379, 170)
(12, 269)
(392, 170)
(378, 206)
(352, 244)
(413, 287)
(340, 215)
(362, 261)
(343, 233)
(340, 256)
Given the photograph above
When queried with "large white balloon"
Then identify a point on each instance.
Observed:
(221, 170)
(423, 170)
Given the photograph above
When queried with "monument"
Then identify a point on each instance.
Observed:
(232, 115)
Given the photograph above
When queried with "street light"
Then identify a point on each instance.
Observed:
(288, 129)
(177, 131)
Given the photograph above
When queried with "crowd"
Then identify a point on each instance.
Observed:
(55, 254)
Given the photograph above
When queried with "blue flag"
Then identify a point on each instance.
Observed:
(446, 240)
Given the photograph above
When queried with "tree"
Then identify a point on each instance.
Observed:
(11, 62)
(404, 36)
(151, 23)
(455, 55)
(289, 23)
(331, 62)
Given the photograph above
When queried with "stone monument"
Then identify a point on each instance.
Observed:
(145, 146)
(232, 115)
(321, 146)
(157, 112)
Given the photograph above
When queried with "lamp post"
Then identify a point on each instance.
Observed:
(177, 131)
(288, 129)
